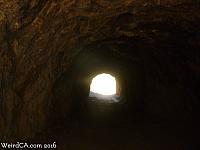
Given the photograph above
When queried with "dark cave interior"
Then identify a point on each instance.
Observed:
(174, 114)
(51, 50)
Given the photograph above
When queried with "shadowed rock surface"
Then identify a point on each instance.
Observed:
(51, 49)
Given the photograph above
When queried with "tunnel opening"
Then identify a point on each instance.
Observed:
(104, 88)
(72, 91)
(125, 102)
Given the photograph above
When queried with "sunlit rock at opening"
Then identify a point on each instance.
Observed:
(103, 84)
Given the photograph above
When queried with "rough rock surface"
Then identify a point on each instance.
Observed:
(40, 38)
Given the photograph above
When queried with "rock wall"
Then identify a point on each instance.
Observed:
(40, 38)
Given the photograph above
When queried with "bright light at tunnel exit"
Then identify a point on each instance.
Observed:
(103, 84)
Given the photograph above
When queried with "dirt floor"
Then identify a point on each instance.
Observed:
(123, 136)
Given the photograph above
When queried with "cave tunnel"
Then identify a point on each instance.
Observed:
(148, 96)
(51, 52)
(100, 57)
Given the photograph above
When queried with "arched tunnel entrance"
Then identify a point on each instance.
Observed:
(101, 58)
(105, 85)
